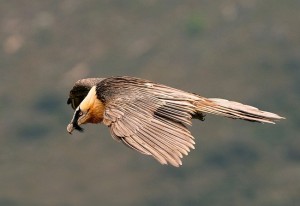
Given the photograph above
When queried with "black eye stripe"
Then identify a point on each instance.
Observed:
(78, 113)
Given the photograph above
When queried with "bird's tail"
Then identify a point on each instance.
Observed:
(235, 110)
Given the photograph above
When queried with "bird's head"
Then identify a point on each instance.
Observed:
(90, 110)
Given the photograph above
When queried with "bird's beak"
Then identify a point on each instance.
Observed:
(70, 128)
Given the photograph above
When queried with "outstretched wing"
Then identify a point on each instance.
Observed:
(80, 90)
(148, 117)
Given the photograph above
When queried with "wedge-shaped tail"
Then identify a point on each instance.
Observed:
(236, 110)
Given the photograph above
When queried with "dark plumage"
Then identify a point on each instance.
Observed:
(148, 117)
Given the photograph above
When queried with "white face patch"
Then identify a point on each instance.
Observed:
(88, 100)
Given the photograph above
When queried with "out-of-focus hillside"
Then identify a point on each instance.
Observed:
(244, 50)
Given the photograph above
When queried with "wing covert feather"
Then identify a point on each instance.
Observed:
(148, 117)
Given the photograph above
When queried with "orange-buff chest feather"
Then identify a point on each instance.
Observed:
(96, 112)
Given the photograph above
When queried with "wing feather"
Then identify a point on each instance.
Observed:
(147, 117)
(149, 149)
(173, 136)
(162, 149)
(176, 148)
(129, 142)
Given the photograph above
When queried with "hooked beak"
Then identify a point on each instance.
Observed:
(70, 128)
(75, 122)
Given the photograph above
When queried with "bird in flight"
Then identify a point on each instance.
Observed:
(149, 117)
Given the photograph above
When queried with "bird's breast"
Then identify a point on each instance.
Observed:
(96, 112)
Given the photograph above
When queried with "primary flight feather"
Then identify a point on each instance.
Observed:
(149, 117)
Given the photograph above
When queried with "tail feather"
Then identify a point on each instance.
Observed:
(236, 110)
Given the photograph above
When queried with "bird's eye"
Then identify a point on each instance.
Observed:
(80, 113)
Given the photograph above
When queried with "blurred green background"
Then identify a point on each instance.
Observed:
(244, 50)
